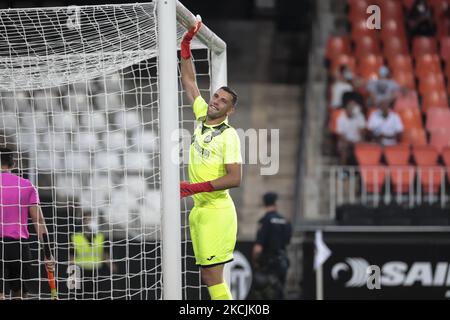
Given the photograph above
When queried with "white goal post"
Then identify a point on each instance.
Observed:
(90, 99)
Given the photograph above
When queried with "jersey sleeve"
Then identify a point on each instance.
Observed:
(200, 108)
(33, 197)
(231, 147)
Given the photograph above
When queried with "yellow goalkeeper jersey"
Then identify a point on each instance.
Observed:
(212, 147)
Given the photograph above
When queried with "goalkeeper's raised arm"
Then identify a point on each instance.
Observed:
(214, 167)
(187, 68)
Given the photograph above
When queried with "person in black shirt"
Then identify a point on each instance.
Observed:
(420, 20)
(269, 257)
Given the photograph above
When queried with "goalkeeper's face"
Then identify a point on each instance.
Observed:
(220, 105)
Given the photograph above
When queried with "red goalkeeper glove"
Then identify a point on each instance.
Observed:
(186, 42)
(188, 189)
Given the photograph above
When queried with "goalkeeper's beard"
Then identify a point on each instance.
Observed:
(213, 114)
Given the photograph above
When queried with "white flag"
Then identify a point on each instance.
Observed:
(322, 252)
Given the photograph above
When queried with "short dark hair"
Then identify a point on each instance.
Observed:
(234, 99)
(352, 96)
(7, 158)
(270, 198)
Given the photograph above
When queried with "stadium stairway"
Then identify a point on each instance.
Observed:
(330, 20)
(273, 106)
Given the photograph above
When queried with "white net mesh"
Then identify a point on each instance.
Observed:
(79, 105)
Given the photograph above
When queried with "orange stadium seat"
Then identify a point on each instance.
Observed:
(411, 118)
(431, 82)
(337, 46)
(332, 122)
(425, 155)
(443, 27)
(402, 174)
(430, 178)
(368, 154)
(408, 4)
(366, 45)
(436, 99)
(414, 137)
(439, 9)
(394, 46)
(446, 157)
(445, 48)
(407, 101)
(402, 178)
(397, 155)
(400, 63)
(405, 79)
(426, 64)
(440, 139)
(430, 175)
(359, 29)
(438, 118)
(369, 65)
(343, 59)
(392, 28)
(353, 2)
(373, 178)
(424, 45)
(391, 10)
(357, 10)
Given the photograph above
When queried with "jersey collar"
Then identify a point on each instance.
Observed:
(215, 125)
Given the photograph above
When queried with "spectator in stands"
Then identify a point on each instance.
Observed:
(350, 128)
(420, 20)
(385, 125)
(382, 89)
(269, 257)
(341, 85)
(90, 254)
(357, 99)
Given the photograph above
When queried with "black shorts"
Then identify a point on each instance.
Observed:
(15, 260)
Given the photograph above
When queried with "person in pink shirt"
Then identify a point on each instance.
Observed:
(18, 199)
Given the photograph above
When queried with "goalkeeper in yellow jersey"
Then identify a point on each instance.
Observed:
(214, 167)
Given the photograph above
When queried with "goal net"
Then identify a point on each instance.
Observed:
(80, 107)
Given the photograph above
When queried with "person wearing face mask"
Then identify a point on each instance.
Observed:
(350, 129)
(384, 88)
(420, 20)
(90, 254)
(385, 126)
(341, 85)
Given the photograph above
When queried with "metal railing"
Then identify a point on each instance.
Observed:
(374, 186)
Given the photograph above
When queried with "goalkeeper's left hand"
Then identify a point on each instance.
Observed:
(186, 42)
(188, 189)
